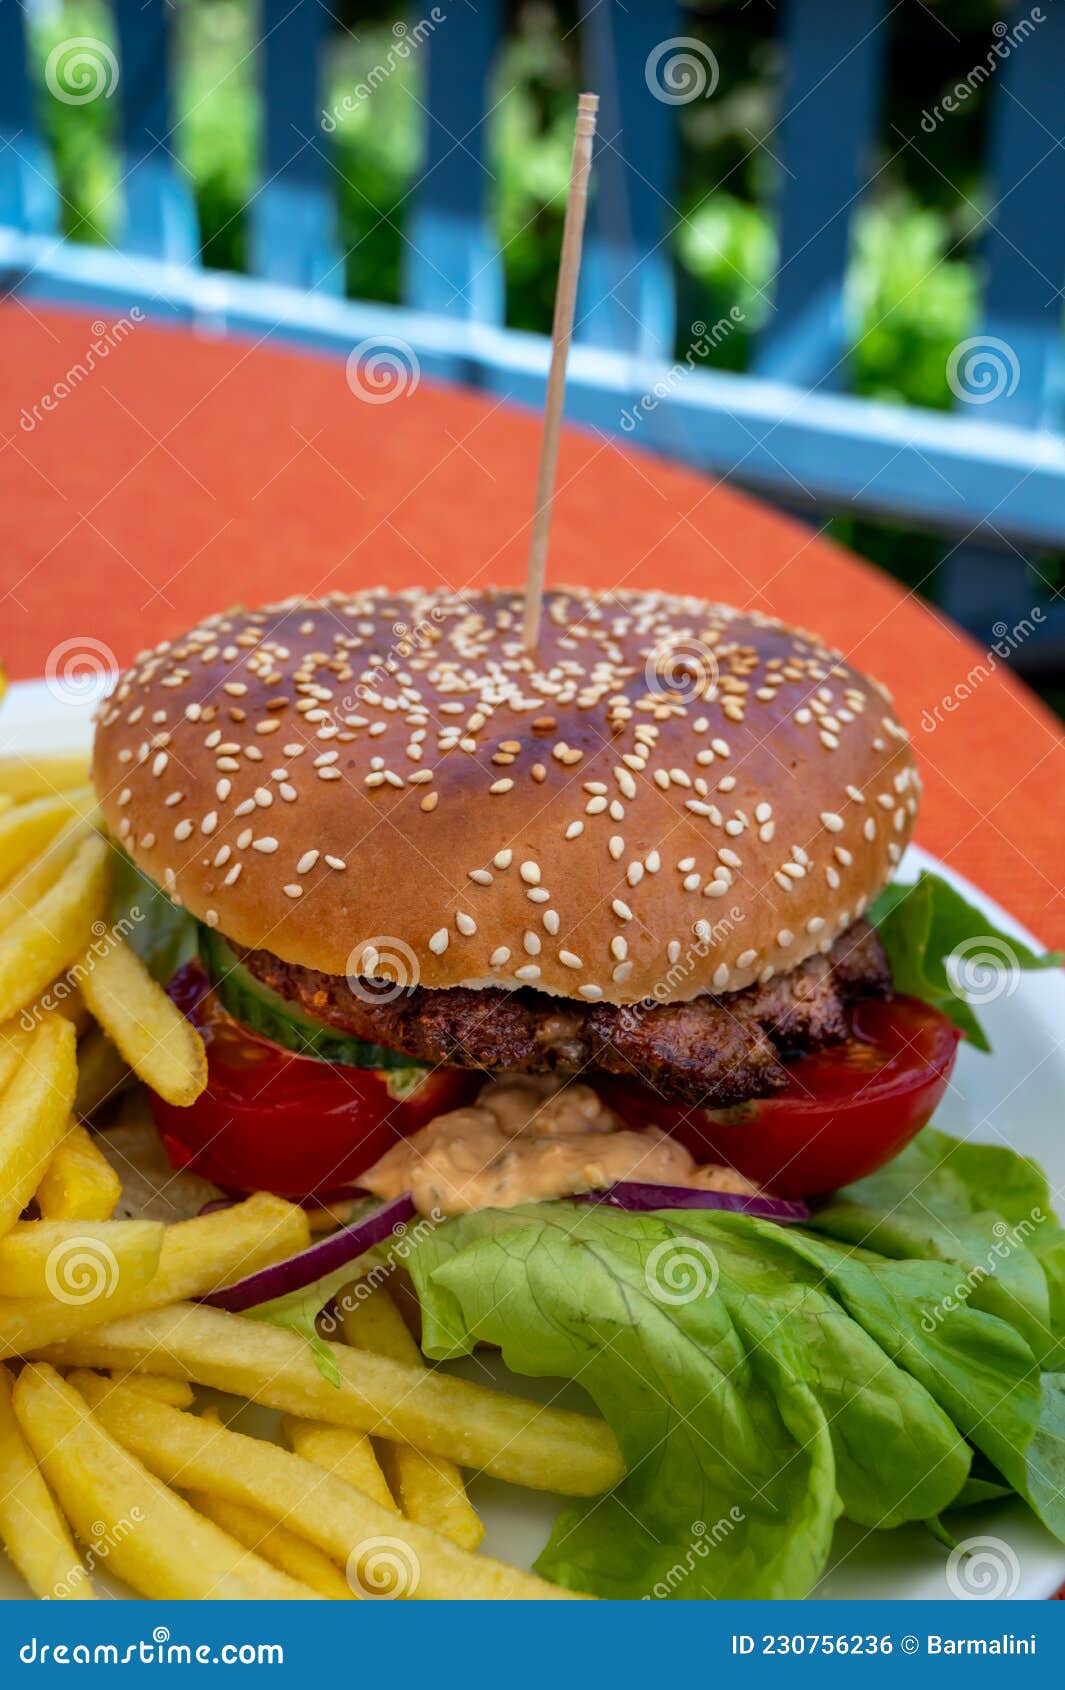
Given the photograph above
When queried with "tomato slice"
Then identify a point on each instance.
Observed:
(271, 1120)
(846, 1111)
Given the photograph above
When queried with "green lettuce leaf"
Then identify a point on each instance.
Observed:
(981, 1206)
(800, 1387)
(934, 937)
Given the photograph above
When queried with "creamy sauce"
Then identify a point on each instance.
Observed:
(528, 1138)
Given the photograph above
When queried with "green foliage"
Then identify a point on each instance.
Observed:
(80, 137)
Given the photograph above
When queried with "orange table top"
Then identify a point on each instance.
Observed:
(172, 475)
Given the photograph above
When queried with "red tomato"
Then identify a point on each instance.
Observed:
(847, 1110)
(273, 1121)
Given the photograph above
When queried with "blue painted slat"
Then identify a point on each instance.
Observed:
(452, 263)
(627, 298)
(27, 189)
(1025, 245)
(932, 467)
(824, 140)
(292, 234)
(160, 215)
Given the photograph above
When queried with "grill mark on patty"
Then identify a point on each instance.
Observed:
(713, 1051)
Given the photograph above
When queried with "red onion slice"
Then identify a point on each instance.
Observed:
(321, 1258)
(639, 1199)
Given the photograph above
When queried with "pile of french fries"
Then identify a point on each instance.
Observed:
(109, 1458)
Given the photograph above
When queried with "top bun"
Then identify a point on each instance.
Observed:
(672, 798)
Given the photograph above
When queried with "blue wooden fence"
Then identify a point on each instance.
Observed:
(991, 475)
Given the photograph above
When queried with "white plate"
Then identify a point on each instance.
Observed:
(1011, 1098)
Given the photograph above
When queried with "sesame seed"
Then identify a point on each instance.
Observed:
(590, 991)
(621, 910)
(293, 891)
(528, 971)
(499, 956)
(720, 978)
(530, 873)
(574, 830)
(335, 862)
(833, 822)
(306, 862)
(465, 924)
(481, 876)
(439, 941)
(498, 786)
(503, 859)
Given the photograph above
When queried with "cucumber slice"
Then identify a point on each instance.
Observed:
(264, 1011)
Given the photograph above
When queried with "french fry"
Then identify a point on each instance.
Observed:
(103, 1074)
(330, 1513)
(276, 1544)
(78, 1260)
(197, 1256)
(79, 1182)
(427, 1488)
(159, 1044)
(22, 778)
(340, 1450)
(27, 829)
(36, 1107)
(156, 1542)
(39, 876)
(32, 1529)
(175, 1392)
(472, 1425)
(56, 931)
(14, 1043)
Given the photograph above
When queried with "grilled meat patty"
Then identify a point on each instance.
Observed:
(712, 1051)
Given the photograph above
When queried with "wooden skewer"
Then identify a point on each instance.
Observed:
(561, 332)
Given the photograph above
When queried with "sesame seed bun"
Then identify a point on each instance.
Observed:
(673, 798)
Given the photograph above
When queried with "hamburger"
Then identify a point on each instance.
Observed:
(625, 881)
